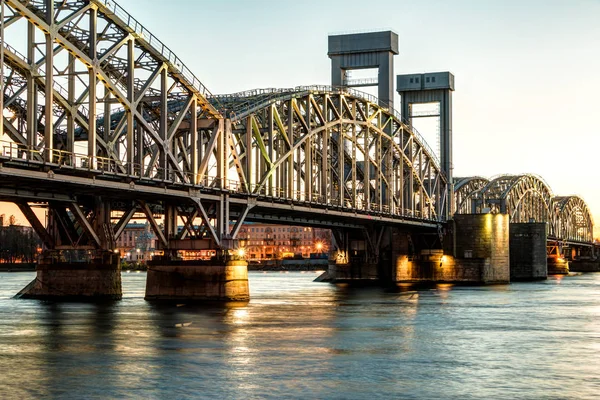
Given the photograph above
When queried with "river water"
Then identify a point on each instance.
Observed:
(306, 340)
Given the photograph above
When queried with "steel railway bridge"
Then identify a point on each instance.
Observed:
(102, 117)
(102, 123)
(527, 198)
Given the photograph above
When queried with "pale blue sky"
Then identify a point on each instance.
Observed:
(527, 72)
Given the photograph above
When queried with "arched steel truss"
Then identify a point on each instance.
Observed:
(89, 92)
(573, 219)
(526, 198)
(89, 60)
(464, 189)
(332, 146)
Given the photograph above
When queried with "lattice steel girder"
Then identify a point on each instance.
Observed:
(523, 197)
(526, 198)
(94, 97)
(574, 221)
(466, 190)
(333, 148)
(140, 99)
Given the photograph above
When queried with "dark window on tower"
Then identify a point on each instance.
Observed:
(433, 79)
(416, 80)
(411, 80)
(427, 79)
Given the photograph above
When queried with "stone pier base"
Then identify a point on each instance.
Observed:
(476, 252)
(528, 258)
(197, 281)
(557, 266)
(449, 269)
(354, 272)
(75, 281)
(584, 265)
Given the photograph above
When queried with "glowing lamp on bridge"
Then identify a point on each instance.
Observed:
(8, 113)
(319, 246)
(241, 252)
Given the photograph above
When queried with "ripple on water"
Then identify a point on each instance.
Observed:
(300, 339)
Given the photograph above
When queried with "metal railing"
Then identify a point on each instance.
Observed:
(360, 82)
(57, 160)
(356, 31)
(271, 95)
(155, 43)
(55, 85)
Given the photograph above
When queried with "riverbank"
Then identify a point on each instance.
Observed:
(17, 267)
(288, 265)
(268, 265)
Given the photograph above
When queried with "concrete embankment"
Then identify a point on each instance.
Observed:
(17, 267)
(289, 265)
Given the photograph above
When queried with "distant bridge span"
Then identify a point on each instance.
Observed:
(526, 198)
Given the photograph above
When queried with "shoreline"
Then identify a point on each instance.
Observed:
(17, 267)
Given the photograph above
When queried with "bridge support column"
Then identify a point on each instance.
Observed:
(173, 280)
(78, 262)
(584, 259)
(354, 258)
(222, 278)
(580, 265)
(557, 265)
(58, 279)
(528, 251)
(475, 250)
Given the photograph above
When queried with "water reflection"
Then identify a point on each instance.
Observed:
(299, 339)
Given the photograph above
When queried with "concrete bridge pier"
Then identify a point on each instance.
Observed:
(528, 254)
(222, 278)
(585, 258)
(355, 258)
(78, 262)
(474, 250)
(58, 278)
(219, 279)
(557, 265)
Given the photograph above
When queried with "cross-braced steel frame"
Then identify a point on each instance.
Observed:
(91, 99)
(465, 190)
(526, 198)
(573, 219)
(331, 146)
(91, 81)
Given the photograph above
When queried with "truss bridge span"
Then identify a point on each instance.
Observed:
(100, 117)
(103, 124)
(527, 198)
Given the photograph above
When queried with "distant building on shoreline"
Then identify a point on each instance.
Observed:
(137, 243)
(270, 241)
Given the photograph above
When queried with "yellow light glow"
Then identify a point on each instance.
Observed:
(241, 252)
(8, 114)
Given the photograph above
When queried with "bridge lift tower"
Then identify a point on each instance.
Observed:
(436, 87)
(362, 51)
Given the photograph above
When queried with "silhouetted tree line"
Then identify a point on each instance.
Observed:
(18, 243)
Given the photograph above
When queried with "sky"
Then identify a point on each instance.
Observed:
(526, 72)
